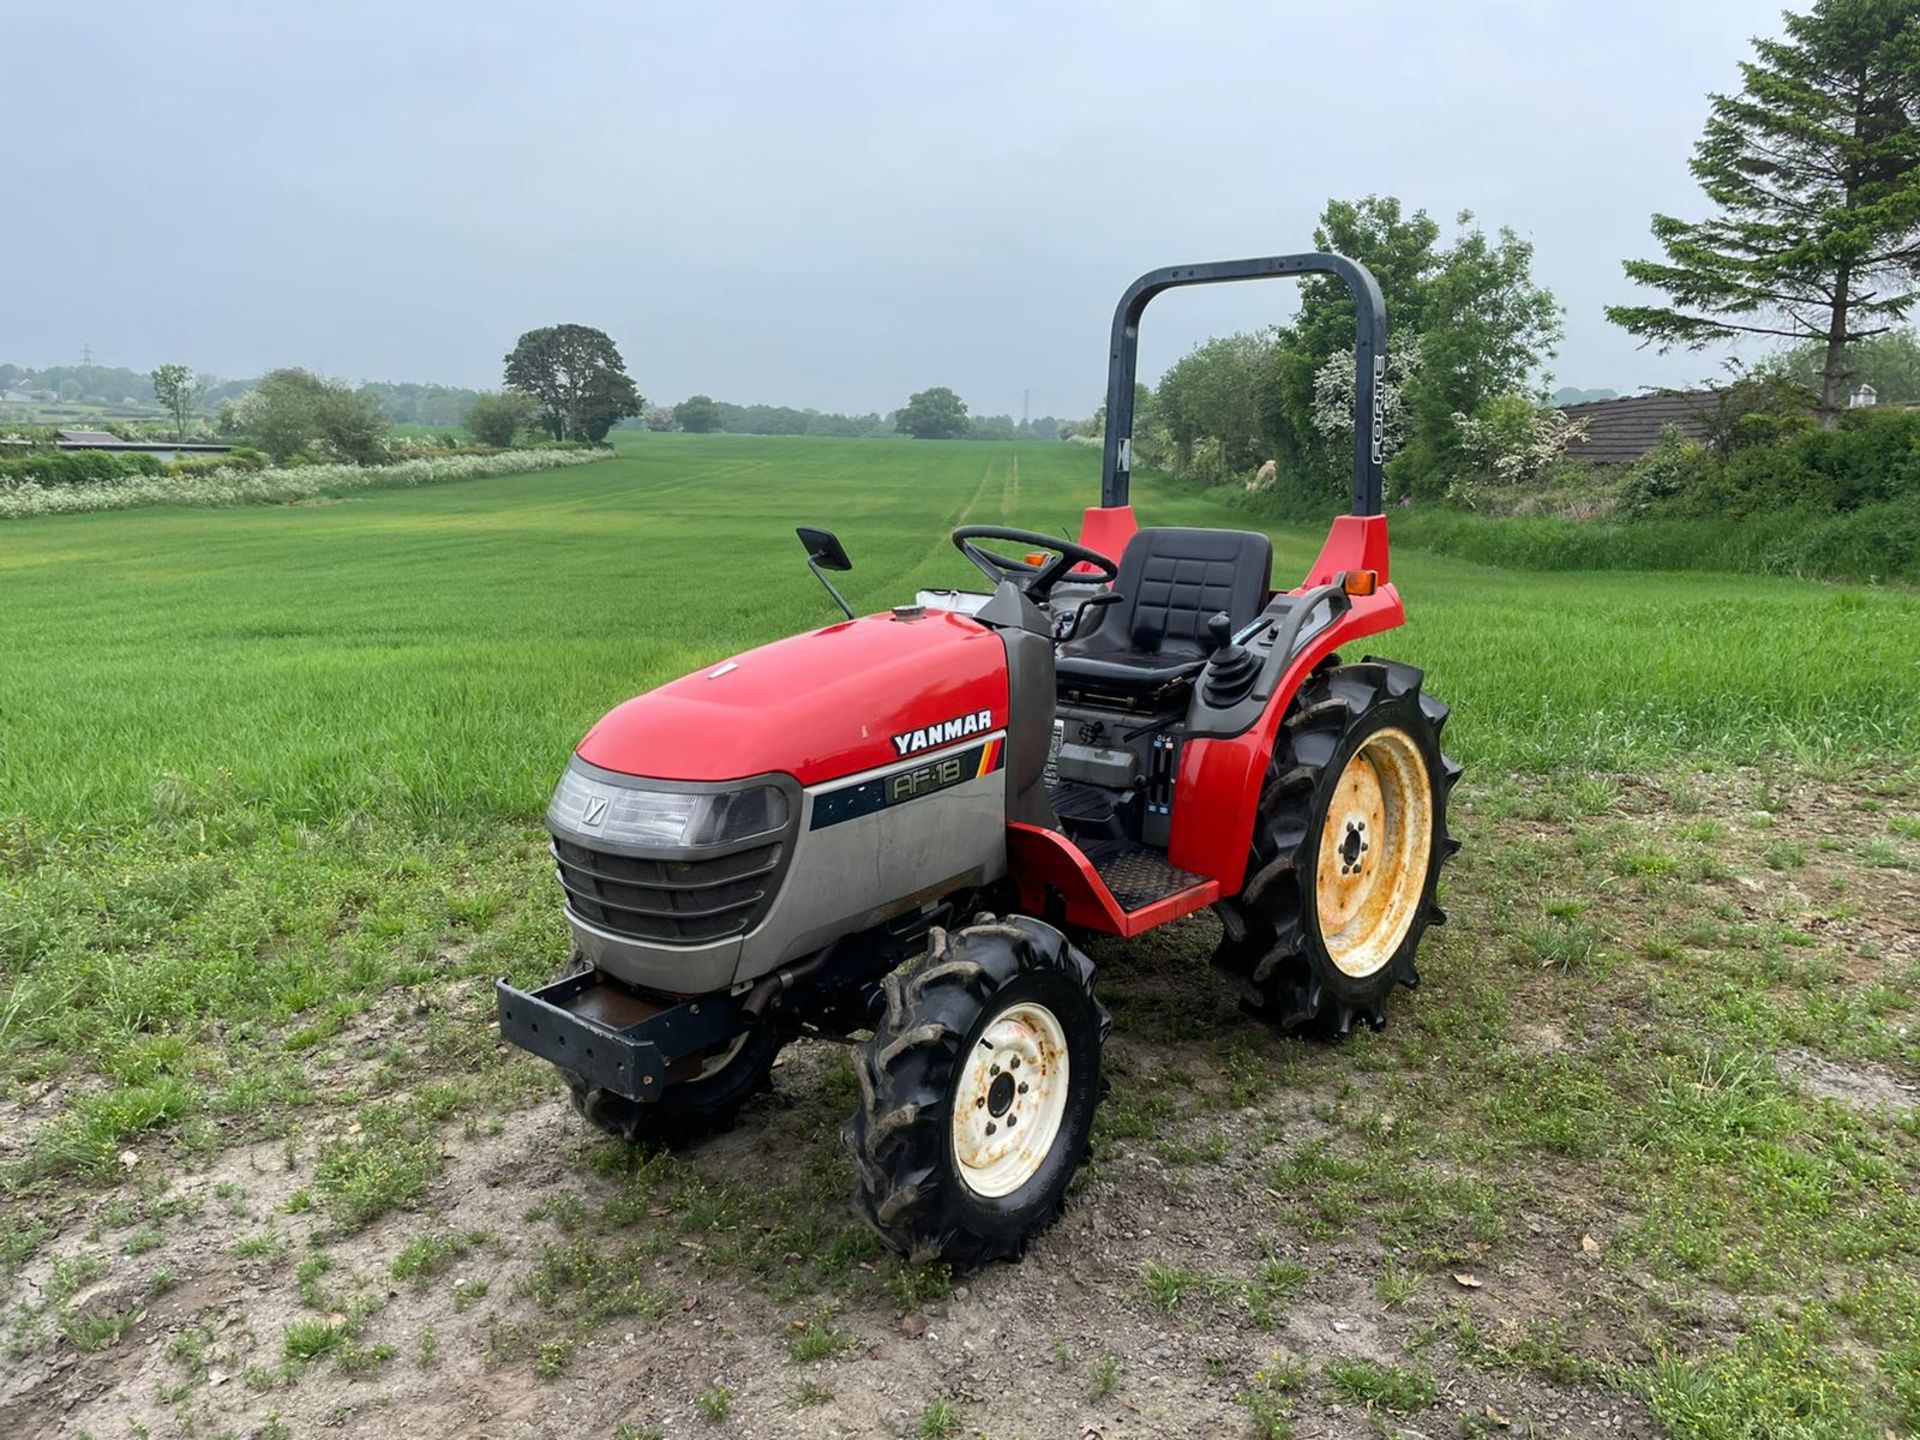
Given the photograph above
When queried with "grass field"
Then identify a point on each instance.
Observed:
(270, 782)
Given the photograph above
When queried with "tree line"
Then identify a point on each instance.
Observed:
(934, 414)
(115, 386)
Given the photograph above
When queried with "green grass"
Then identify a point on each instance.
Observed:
(1103, 1377)
(819, 1339)
(310, 1339)
(941, 1419)
(361, 1179)
(1387, 1387)
(1167, 1285)
(428, 1255)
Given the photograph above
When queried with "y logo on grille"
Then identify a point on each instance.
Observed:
(596, 810)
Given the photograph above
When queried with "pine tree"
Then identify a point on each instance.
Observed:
(1814, 170)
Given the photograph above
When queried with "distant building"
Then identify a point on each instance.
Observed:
(1620, 431)
(163, 450)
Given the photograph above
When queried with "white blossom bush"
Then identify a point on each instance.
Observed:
(1333, 385)
(234, 486)
(1508, 444)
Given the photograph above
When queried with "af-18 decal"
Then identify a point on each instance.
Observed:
(908, 782)
(959, 728)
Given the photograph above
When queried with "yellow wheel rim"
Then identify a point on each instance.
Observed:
(1374, 849)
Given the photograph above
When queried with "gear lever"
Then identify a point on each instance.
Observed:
(1231, 668)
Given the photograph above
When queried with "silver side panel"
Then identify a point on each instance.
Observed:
(1031, 695)
(843, 877)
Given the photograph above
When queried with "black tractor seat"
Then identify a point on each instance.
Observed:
(1171, 582)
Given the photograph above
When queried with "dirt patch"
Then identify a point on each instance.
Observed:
(1862, 1084)
(1015, 1346)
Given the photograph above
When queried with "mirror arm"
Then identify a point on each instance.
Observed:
(838, 598)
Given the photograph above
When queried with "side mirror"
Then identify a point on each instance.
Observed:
(825, 552)
(823, 548)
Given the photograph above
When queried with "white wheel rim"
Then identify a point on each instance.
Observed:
(1011, 1099)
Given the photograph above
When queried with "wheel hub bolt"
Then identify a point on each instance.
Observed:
(1353, 847)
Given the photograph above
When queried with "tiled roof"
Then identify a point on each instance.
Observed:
(1620, 431)
(87, 437)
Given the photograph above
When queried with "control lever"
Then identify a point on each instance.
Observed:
(1231, 668)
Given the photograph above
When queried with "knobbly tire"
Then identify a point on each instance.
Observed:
(1347, 848)
(708, 1100)
(996, 1029)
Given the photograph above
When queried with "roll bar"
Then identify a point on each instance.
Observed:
(1369, 362)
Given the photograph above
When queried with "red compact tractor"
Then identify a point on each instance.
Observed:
(896, 827)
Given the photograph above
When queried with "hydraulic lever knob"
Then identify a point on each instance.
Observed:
(1231, 668)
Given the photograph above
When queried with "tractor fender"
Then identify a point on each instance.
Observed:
(1218, 784)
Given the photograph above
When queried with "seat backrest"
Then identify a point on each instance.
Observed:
(1172, 580)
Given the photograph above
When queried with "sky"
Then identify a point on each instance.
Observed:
(826, 204)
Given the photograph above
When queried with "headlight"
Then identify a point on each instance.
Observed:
(741, 814)
(589, 809)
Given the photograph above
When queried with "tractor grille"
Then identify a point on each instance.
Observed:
(670, 902)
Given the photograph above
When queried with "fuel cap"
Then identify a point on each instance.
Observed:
(909, 612)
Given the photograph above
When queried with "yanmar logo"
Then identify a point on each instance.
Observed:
(947, 731)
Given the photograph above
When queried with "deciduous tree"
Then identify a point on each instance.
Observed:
(697, 415)
(576, 375)
(936, 414)
(1487, 328)
(1890, 363)
(176, 387)
(290, 410)
(496, 416)
(350, 424)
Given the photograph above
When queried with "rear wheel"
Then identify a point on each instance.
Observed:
(977, 1092)
(1347, 848)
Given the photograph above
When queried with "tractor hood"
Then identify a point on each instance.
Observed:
(834, 702)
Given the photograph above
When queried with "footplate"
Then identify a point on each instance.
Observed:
(611, 1037)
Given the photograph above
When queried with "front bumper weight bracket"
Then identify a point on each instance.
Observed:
(629, 1060)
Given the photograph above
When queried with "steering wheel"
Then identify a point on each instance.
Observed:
(1039, 580)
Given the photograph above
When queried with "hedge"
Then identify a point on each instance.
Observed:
(235, 485)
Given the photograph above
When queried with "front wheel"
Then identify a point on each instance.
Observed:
(709, 1097)
(977, 1092)
(704, 1093)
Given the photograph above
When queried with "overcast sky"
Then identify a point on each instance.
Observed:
(827, 204)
